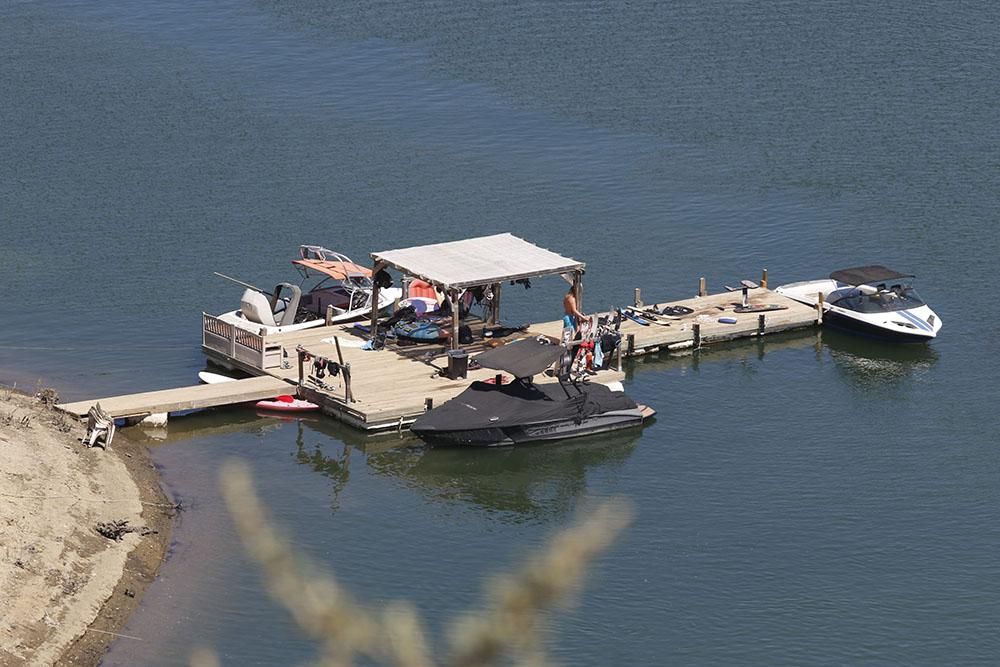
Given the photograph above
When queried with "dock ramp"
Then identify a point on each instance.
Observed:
(185, 398)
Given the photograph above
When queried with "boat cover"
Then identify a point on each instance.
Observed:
(487, 406)
(867, 275)
(521, 358)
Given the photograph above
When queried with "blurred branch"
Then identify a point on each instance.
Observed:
(509, 626)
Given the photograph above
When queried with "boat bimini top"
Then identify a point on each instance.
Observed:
(521, 358)
(868, 275)
(331, 264)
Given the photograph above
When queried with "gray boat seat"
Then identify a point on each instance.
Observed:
(256, 308)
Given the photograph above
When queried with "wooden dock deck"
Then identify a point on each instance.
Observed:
(392, 387)
(702, 326)
(185, 398)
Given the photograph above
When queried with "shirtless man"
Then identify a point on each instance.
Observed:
(573, 316)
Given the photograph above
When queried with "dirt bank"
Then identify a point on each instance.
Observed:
(67, 588)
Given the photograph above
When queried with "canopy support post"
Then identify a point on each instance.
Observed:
(495, 314)
(378, 266)
(578, 289)
(455, 318)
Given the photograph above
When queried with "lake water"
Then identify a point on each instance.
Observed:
(806, 499)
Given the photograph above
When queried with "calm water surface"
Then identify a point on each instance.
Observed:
(809, 499)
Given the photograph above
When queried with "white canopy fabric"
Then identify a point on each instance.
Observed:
(478, 261)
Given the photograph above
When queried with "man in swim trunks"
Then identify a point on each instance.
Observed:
(573, 316)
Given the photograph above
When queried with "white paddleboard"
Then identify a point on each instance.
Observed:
(213, 378)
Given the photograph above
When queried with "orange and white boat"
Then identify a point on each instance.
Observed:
(334, 282)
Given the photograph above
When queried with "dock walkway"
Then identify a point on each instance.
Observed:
(185, 398)
(392, 387)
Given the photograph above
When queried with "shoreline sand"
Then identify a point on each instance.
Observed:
(67, 589)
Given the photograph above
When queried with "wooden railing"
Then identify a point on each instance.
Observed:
(239, 344)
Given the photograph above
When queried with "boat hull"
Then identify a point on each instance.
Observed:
(854, 325)
(539, 432)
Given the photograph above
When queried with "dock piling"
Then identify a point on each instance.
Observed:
(696, 328)
(702, 290)
(763, 279)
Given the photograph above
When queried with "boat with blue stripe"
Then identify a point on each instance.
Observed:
(872, 300)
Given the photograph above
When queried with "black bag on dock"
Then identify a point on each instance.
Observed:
(609, 343)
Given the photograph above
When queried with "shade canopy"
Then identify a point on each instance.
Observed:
(521, 358)
(867, 275)
(478, 261)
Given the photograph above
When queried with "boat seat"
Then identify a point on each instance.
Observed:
(256, 308)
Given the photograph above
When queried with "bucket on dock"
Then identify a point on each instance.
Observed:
(458, 364)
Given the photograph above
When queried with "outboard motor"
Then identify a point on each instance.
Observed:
(285, 303)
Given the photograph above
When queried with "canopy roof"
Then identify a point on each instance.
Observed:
(478, 261)
(521, 358)
(867, 275)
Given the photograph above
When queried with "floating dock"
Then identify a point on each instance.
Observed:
(389, 388)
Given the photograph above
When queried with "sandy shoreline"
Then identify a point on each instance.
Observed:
(67, 589)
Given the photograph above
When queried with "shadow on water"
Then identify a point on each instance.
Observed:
(737, 350)
(527, 483)
(870, 364)
(864, 362)
(204, 424)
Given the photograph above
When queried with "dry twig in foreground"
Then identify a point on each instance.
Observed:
(345, 629)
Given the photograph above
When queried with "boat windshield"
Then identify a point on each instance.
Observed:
(884, 301)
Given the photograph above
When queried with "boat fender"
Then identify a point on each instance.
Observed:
(727, 320)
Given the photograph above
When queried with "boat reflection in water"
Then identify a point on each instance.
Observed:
(525, 483)
(874, 364)
(529, 481)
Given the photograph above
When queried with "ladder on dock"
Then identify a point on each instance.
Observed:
(185, 398)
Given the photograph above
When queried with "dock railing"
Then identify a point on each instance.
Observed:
(239, 344)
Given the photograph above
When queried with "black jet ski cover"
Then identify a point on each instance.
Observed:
(484, 406)
(521, 358)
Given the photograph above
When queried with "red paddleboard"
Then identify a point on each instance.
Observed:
(287, 404)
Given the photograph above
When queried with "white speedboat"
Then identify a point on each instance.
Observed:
(335, 283)
(872, 300)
